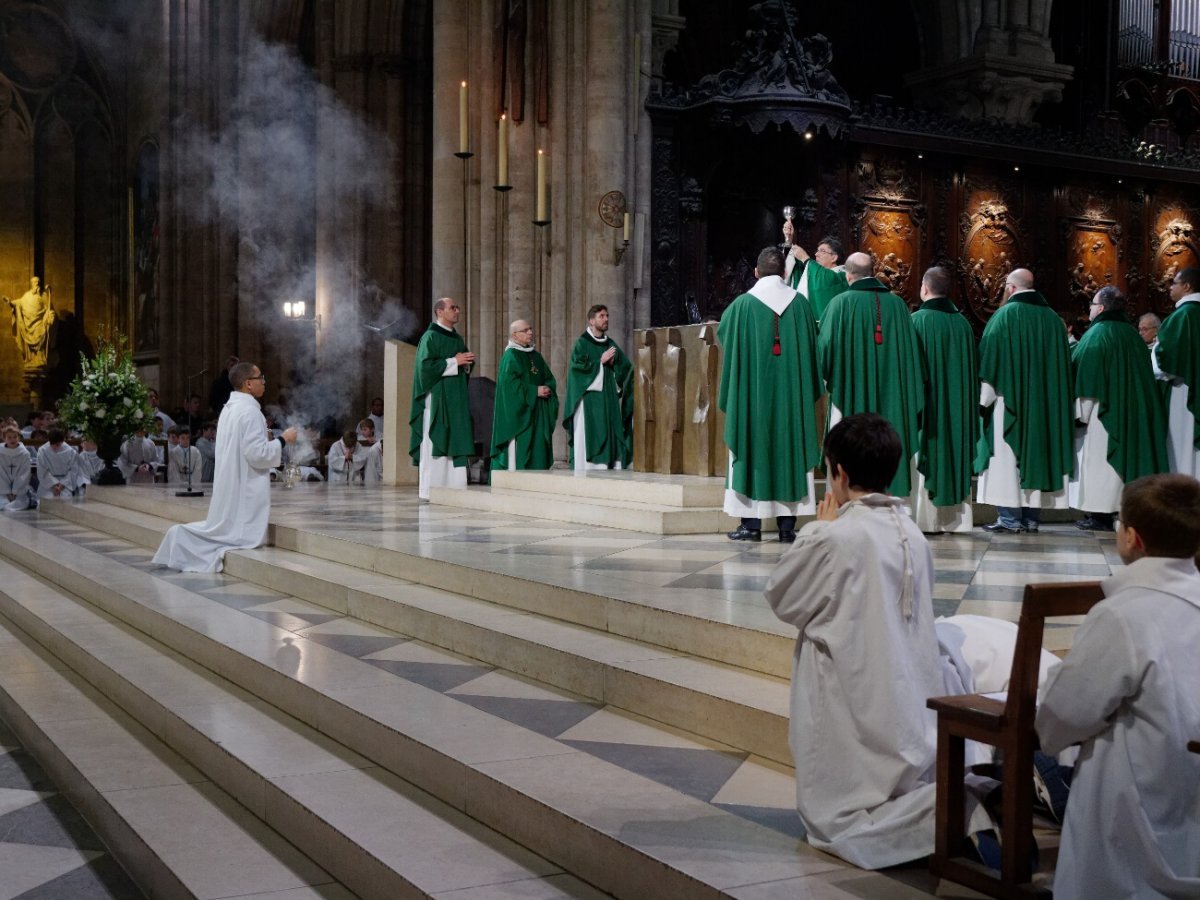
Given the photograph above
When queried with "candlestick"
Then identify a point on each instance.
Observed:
(502, 153)
(463, 133)
(541, 186)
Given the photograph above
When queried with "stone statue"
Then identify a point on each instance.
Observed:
(32, 316)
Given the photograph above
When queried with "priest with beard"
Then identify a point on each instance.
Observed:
(769, 388)
(599, 406)
(240, 507)
(526, 405)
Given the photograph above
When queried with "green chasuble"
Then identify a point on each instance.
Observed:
(522, 415)
(1024, 356)
(865, 376)
(768, 400)
(1179, 353)
(608, 412)
(823, 285)
(950, 424)
(1110, 364)
(450, 428)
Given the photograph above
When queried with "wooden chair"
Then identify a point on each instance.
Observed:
(1007, 725)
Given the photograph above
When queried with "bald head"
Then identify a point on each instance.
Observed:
(858, 265)
(1021, 279)
(521, 332)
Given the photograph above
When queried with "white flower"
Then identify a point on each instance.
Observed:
(128, 402)
(83, 407)
(99, 414)
(137, 413)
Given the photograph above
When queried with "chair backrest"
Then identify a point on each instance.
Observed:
(1042, 602)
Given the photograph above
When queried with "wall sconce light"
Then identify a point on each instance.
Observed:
(295, 311)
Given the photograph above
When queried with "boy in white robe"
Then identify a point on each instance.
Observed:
(346, 460)
(1129, 690)
(58, 473)
(240, 508)
(207, 445)
(858, 584)
(89, 461)
(138, 459)
(15, 467)
(185, 460)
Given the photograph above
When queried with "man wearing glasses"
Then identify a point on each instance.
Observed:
(818, 283)
(241, 496)
(442, 436)
(1177, 361)
(1026, 453)
(526, 405)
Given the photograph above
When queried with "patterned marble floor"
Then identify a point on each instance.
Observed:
(47, 850)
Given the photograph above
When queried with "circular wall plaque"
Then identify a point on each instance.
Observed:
(612, 209)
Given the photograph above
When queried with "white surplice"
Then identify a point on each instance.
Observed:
(860, 591)
(373, 468)
(15, 466)
(437, 471)
(136, 452)
(181, 462)
(208, 454)
(933, 519)
(241, 495)
(1000, 483)
(58, 467)
(1129, 689)
(342, 470)
(1096, 486)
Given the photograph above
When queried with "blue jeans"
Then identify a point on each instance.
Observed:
(1026, 516)
(786, 523)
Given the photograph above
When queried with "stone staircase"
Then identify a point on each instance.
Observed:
(328, 769)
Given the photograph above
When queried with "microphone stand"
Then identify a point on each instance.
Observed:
(189, 492)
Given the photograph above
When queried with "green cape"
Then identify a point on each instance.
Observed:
(769, 401)
(521, 414)
(1179, 353)
(608, 413)
(950, 424)
(863, 376)
(450, 427)
(1024, 355)
(1110, 364)
(823, 285)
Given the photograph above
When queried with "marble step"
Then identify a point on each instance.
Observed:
(176, 832)
(377, 834)
(612, 827)
(638, 487)
(737, 707)
(740, 635)
(630, 515)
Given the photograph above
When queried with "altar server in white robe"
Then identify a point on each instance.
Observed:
(185, 461)
(15, 467)
(58, 469)
(90, 463)
(858, 584)
(1129, 690)
(241, 495)
(139, 459)
(346, 459)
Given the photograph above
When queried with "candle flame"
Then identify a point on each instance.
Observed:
(464, 84)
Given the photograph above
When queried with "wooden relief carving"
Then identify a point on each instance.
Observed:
(1093, 249)
(991, 249)
(1174, 244)
(644, 428)
(704, 415)
(670, 398)
(889, 222)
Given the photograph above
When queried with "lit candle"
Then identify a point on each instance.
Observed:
(502, 153)
(462, 119)
(541, 186)
(626, 231)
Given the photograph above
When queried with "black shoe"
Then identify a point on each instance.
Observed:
(998, 527)
(1030, 529)
(742, 533)
(1095, 523)
(787, 537)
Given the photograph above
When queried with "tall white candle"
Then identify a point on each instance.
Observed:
(541, 186)
(462, 120)
(626, 231)
(502, 153)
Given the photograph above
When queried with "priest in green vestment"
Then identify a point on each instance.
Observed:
(599, 407)
(941, 499)
(871, 362)
(440, 423)
(769, 388)
(1177, 363)
(817, 278)
(526, 405)
(1117, 401)
(1025, 455)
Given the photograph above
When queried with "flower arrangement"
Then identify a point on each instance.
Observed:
(106, 399)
